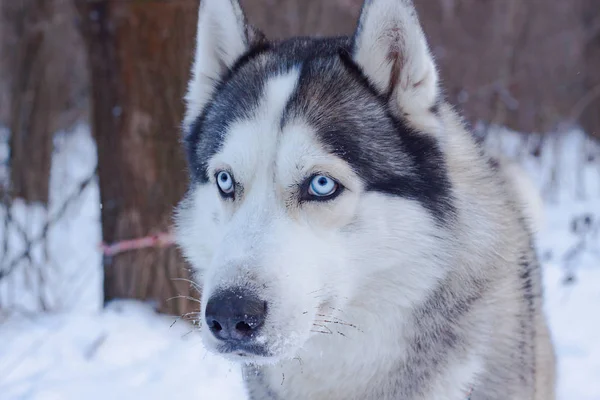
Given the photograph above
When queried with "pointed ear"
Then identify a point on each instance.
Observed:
(222, 37)
(391, 49)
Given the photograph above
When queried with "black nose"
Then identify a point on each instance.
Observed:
(235, 315)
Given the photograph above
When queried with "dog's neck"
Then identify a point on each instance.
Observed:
(356, 361)
(329, 377)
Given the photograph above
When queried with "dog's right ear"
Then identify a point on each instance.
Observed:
(223, 36)
(391, 49)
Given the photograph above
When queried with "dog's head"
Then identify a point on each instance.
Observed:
(316, 170)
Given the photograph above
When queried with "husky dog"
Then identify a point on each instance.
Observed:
(352, 239)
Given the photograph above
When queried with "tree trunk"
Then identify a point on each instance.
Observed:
(42, 86)
(27, 64)
(588, 108)
(139, 58)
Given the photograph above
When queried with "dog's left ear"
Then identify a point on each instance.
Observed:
(391, 49)
(223, 36)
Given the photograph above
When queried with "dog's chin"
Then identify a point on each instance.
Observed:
(257, 352)
(255, 355)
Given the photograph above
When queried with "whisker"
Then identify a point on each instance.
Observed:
(318, 290)
(186, 334)
(190, 313)
(183, 316)
(337, 309)
(184, 297)
(317, 331)
(301, 364)
(324, 327)
(193, 316)
(194, 284)
(339, 323)
(331, 317)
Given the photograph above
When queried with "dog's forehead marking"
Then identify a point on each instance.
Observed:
(251, 143)
(301, 153)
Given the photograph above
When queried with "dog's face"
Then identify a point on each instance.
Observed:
(309, 175)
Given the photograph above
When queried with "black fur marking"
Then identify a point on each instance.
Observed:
(260, 389)
(531, 291)
(355, 70)
(493, 163)
(251, 54)
(435, 109)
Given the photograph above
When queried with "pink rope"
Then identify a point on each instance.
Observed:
(164, 239)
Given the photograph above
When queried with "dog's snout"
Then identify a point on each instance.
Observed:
(235, 315)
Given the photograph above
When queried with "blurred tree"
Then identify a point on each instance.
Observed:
(279, 19)
(530, 65)
(514, 63)
(41, 66)
(589, 105)
(139, 58)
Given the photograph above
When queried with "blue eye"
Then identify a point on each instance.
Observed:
(225, 182)
(322, 186)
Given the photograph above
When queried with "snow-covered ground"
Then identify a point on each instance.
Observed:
(124, 352)
(128, 352)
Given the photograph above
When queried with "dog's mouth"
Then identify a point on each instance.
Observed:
(243, 350)
(259, 349)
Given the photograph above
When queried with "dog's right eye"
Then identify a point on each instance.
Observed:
(320, 187)
(225, 183)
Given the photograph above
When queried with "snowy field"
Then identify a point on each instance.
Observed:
(128, 352)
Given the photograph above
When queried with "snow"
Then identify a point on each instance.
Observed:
(54, 279)
(79, 350)
(124, 352)
(573, 307)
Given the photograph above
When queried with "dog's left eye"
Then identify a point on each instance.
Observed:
(322, 186)
(225, 183)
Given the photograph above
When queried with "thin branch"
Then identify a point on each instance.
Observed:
(583, 103)
(10, 268)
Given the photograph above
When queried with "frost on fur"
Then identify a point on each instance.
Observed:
(222, 37)
(391, 48)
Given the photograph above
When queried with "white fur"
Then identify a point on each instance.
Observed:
(389, 253)
(220, 40)
(528, 194)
